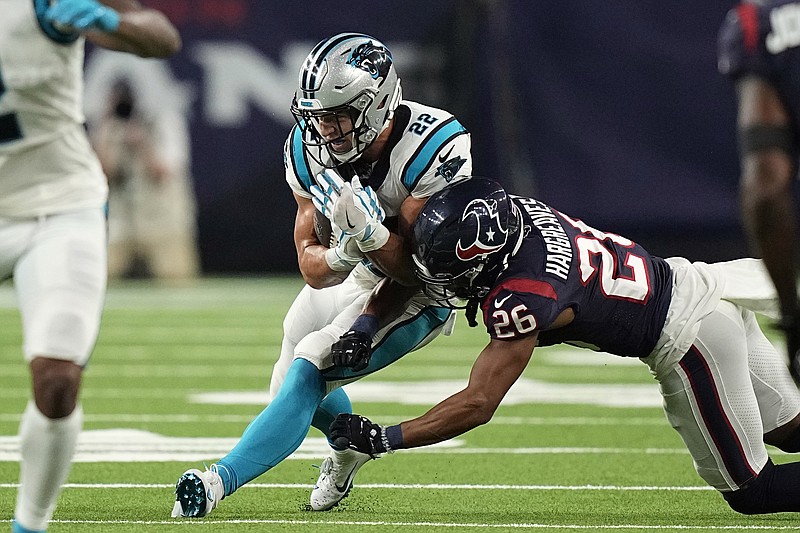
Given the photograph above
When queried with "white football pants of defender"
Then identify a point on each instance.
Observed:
(59, 267)
(729, 387)
(318, 317)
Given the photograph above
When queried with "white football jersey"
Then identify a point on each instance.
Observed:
(47, 164)
(427, 149)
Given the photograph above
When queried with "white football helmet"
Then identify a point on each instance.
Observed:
(349, 78)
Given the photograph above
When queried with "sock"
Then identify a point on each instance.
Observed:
(278, 430)
(46, 447)
(775, 490)
(334, 403)
(791, 444)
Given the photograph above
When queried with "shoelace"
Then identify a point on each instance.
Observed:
(327, 467)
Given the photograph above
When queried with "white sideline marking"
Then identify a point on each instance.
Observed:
(193, 523)
(134, 445)
(524, 391)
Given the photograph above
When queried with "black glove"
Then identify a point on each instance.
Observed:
(352, 350)
(358, 433)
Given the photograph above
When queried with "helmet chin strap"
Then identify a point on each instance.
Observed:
(347, 157)
(472, 312)
(359, 146)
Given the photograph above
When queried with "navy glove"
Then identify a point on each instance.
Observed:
(358, 433)
(352, 350)
(82, 15)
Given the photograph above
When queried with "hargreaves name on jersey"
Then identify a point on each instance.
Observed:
(559, 249)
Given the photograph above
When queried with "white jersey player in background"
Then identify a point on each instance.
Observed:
(52, 225)
(357, 140)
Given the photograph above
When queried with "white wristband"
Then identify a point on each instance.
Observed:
(379, 236)
(338, 263)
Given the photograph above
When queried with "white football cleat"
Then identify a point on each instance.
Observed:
(336, 478)
(197, 493)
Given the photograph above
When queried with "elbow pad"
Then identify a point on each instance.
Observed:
(761, 137)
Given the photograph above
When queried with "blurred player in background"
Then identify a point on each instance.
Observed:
(52, 227)
(759, 49)
(151, 205)
(359, 153)
(542, 278)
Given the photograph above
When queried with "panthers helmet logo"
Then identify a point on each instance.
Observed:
(375, 60)
(489, 236)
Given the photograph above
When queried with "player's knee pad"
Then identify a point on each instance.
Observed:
(316, 346)
(754, 497)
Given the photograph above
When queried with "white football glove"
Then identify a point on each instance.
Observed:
(351, 207)
(326, 192)
(359, 214)
(345, 255)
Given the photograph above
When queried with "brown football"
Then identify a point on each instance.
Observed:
(322, 227)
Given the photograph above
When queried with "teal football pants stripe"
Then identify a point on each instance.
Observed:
(281, 427)
(403, 338)
(278, 430)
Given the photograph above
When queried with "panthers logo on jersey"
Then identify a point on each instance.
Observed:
(375, 60)
(449, 168)
(489, 235)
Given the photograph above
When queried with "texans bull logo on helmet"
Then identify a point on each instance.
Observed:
(489, 235)
(375, 60)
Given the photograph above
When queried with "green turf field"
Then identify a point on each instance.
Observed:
(580, 445)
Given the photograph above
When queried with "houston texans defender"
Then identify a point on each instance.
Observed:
(759, 49)
(542, 277)
(358, 153)
(52, 223)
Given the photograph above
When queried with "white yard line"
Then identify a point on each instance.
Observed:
(397, 486)
(455, 525)
(388, 419)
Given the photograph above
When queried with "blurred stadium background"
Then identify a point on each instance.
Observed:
(612, 112)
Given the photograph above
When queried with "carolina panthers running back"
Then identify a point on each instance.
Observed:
(352, 124)
(428, 148)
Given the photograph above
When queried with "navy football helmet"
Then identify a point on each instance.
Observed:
(462, 240)
(348, 81)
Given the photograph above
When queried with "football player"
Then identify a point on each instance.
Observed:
(370, 160)
(759, 50)
(52, 223)
(541, 277)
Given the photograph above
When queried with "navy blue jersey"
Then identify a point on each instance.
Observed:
(765, 40)
(618, 291)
